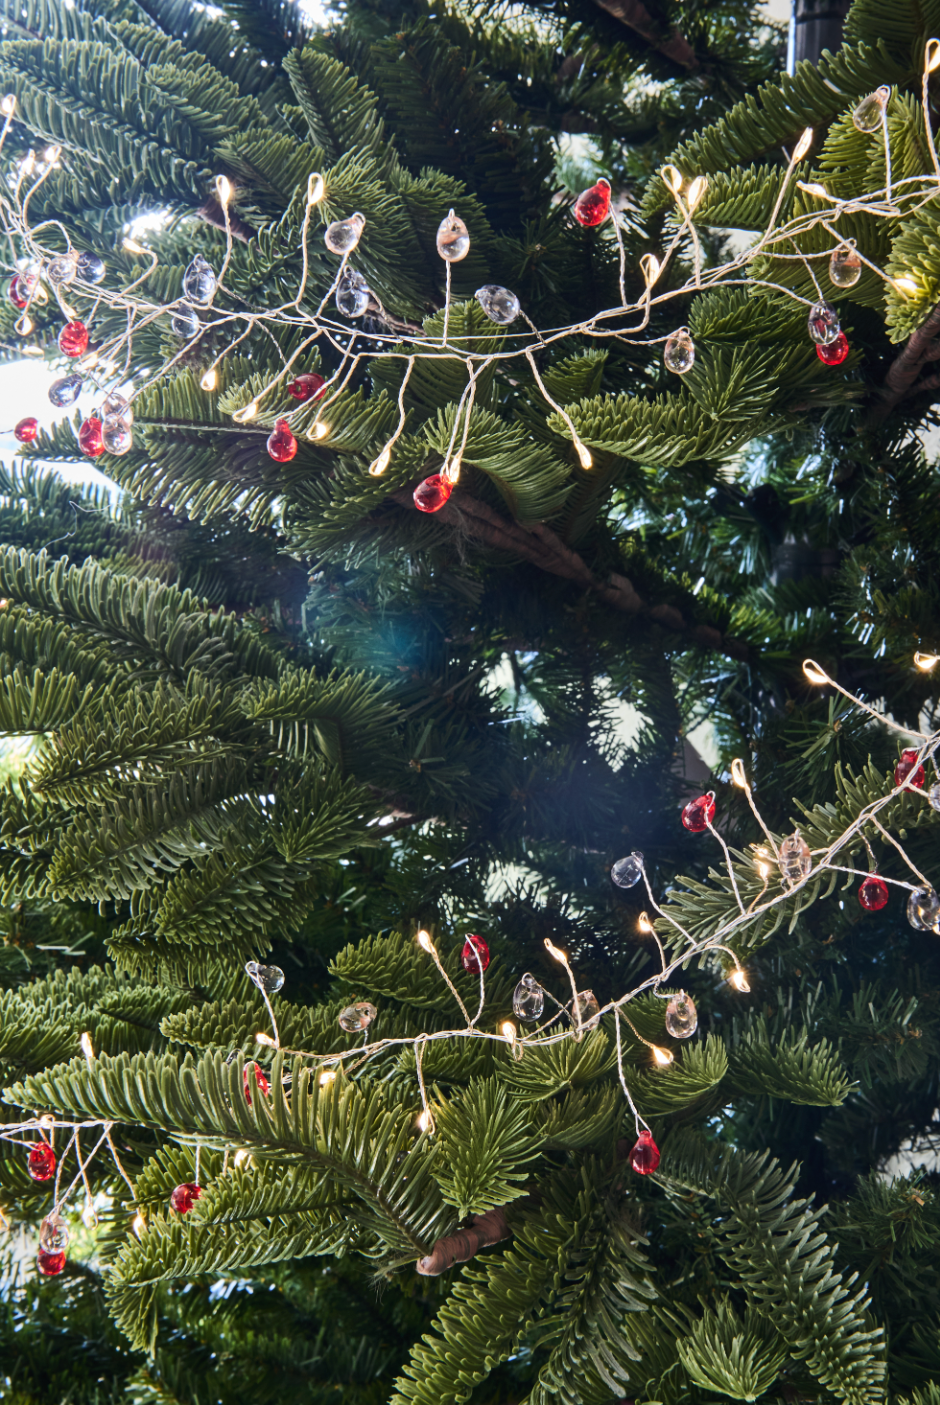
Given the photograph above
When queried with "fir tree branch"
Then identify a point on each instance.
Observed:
(541, 546)
(637, 17)
(906, 367)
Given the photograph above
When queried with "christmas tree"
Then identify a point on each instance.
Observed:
(394, 1006)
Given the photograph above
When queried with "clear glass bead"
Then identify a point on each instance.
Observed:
(626, 873)
(54, 1234)
(91, 268)
(65, 391)
(453, 238)
(845, 267)
(528, 999)
(342, 236)
(795, 860)
(184, 322)
(681, 1016)
(199, 281)
(679, 352)
(867, 116)
(116, 405)
(355, 1018)
(923, 910)
(499, 304)
(116, 435)
(585, 1012)
(352, 294)
(62, 269)
(823, 323)
(266, 978)
(933, 796)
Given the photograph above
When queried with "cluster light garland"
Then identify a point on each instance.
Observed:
(202, 287)
(570, 1018)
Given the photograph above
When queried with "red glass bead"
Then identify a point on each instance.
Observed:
(282, 446)
(698, 814)
(89, 438)
(432, 494)
(873, 893)
(26, 430)
(644, 1158)
(593, 206)
(836, 351)
(50, 1262)
(19, 289)
(41, 1162)
(185, 1196)
(904, 770)
(73, 339)
(261, 1082)
(307, 386)
(475, 955)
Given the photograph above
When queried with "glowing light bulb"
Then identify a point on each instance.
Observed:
(243, 1158)
(803, 145)
(697, 192)
(424, 941)
(737, 772)
(210, 380)
(508, 1030)
(247, 412)
(88, 1049)
(739, 980)
(763, 869)
(663, 1057)
(316, 189)
(266, 1040)
(905, 286)
(327, 1077)
(132, 246)
(931, 55)
(651, 268)
(425, 1121)
(51, 154)
(644, 924)
(318, 430)
(378, 466)
(814, 188)
(29, 162)
(223, 187)
(8, 104)
(24, 326)
(555, 952)
(139, 1224)
(813, 672)
(673, 178)
(584, 453)
(927, 661)
(47, 1120)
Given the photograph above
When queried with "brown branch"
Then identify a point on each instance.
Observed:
(542, 547)
(919, 348)
(458, 1248)
(637, 17)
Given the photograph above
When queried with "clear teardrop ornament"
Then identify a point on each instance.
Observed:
(923, 910)
(65, 391)
(352, 294)
(499, 304)
(585, 1011)
(117, 405)
(823, 323)
(266, 978)
(116, 435)
(681, 1016)
(342, 236)
(626, 873)
(199, 281)
(91, 268)
(845, 267)
(62, 269)
(528, 999)
(679, 352)
(867, 116)
(54, 1234)
(795, 860)
(355, 1018)
(453, 238)
(184, 322)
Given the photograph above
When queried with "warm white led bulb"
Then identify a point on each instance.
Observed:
(803, 145)
(926, 661)
(931, 55)
(644, 924)
(266, 1040)
(318, 430)
(223, 187)
(651, 268)
(139, 1224)
(673, 178)
(247, 412)
(737, 772)
(739, 980)
(89, 1216)
(663, 1057)
(243, 1157)
(132, 246)
(378, 466)
(8, 104)
(697, 192)
(88, 1048)
(424, 941)
(210, 379)
(584, 453)
(907, 287)
(315, 188)
(555, 952)
(327, 1077)
(508, 1030)
(813, 672)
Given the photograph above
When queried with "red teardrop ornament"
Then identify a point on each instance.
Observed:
(17, 292)
(475, 955)
(836, 351)
(89, 438)
(50, 1262)
(698, 814)
(904, 770)
(73, 339)
(432, 494)
(873, 893)
(282, 446)
(261, 1082)
(307, 386)
(593, 206)
(644, 1158)
(185, 1196)
(41, 1162)
(26, 430)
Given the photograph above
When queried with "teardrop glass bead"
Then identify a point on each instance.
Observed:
(499, 304)
(342, 236)
(873, 893)
(281, 444)
(115, 404)
(54, 1233)
(199, 281)
(453, 238)
(923, 910)
(681, 1016)
(355, 1018)
(91, 268)
(679, 352)
(65, 391)
(62, 269)
(795, 860)
(306, 387)
(252, 1074)
(845, 267)
(184, 1197)
(73, 339)
(585, 1011)
(867, 116)
(475, 956)
(823, 323)
(698, 814)
(626, 873)
(26, 430)
(184, 322)
(270, 979)
(528, 999)
(593, 205)
(89, 438)
(432, 494)
(41, 1161)
(909, 770)
(644, 1158)
(116, 435)
(50, 1262)
(352, 294)
(835, 352)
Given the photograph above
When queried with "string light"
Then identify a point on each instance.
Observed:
(223, 188)
(508, 1031)
(266, 1040)
(243, 1158)
(927, 661)
(87, 1047)
(905, 286)
(663, 1057)
(316, 188)
(319, 430)
(248, 412)
(645, 925)
(737, 772)
(931, 55)
(814, 673)
(210, 380)
(139, 1224)
(8, 104)
(379, 465)
(803, 145)
(424, 941)
(739, 980)
(327, 1077)
(697, 193)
